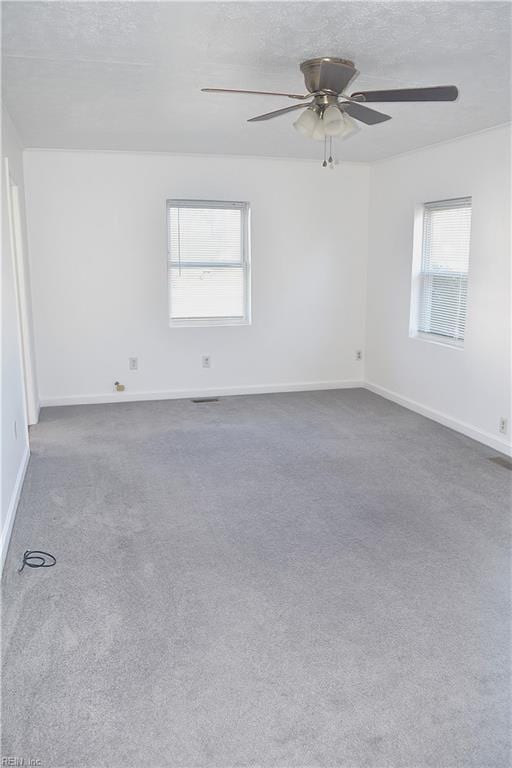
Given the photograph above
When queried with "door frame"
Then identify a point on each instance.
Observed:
(22, 298)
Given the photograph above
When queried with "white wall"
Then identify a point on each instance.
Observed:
(15, 448)
(470, 388)
(97, 237)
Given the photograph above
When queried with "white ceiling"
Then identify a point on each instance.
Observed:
(108, 75)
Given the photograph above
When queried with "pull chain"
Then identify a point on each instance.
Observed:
(331, 161)
(324, 164)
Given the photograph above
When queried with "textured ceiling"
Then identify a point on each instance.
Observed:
(107, 75)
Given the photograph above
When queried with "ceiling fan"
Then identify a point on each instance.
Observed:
(329, 111)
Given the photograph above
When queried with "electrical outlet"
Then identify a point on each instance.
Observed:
(133, 363)
(206, 361)
(359, 354)
(502, 425)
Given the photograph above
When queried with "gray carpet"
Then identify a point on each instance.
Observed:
(287, 581)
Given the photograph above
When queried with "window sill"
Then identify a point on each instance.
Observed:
(201, 322)
(432, 338)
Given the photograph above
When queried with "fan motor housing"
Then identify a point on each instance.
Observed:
(312, 73)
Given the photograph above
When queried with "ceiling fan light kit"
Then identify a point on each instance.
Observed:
(306, 123)
(331, 112)
(333, 120)
(319, 132)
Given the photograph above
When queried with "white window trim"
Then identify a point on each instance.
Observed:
(204, 322)
(437, 339)
(417, 263)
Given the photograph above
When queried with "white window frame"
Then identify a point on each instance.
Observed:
(418, 272)
(245, 247)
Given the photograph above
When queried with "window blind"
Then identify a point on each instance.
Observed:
(208, 261)
(444, 268)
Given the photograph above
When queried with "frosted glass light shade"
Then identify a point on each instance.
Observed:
(333, 121)
(349, 127)
(319, 132)
(307, 122)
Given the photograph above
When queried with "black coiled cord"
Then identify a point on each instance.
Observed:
(38, 559)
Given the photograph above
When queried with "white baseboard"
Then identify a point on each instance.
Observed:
(486, 438)
(13, 505)
(181, 394)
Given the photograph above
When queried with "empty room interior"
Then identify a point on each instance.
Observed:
(256, 384)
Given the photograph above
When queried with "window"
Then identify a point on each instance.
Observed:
(208, 262)
(441, 281)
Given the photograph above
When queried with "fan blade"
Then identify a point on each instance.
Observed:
(259, 93)
(270, 115)
(334, 76)
(436, 93)
(364, 114)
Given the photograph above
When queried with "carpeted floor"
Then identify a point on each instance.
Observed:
(297, 580)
